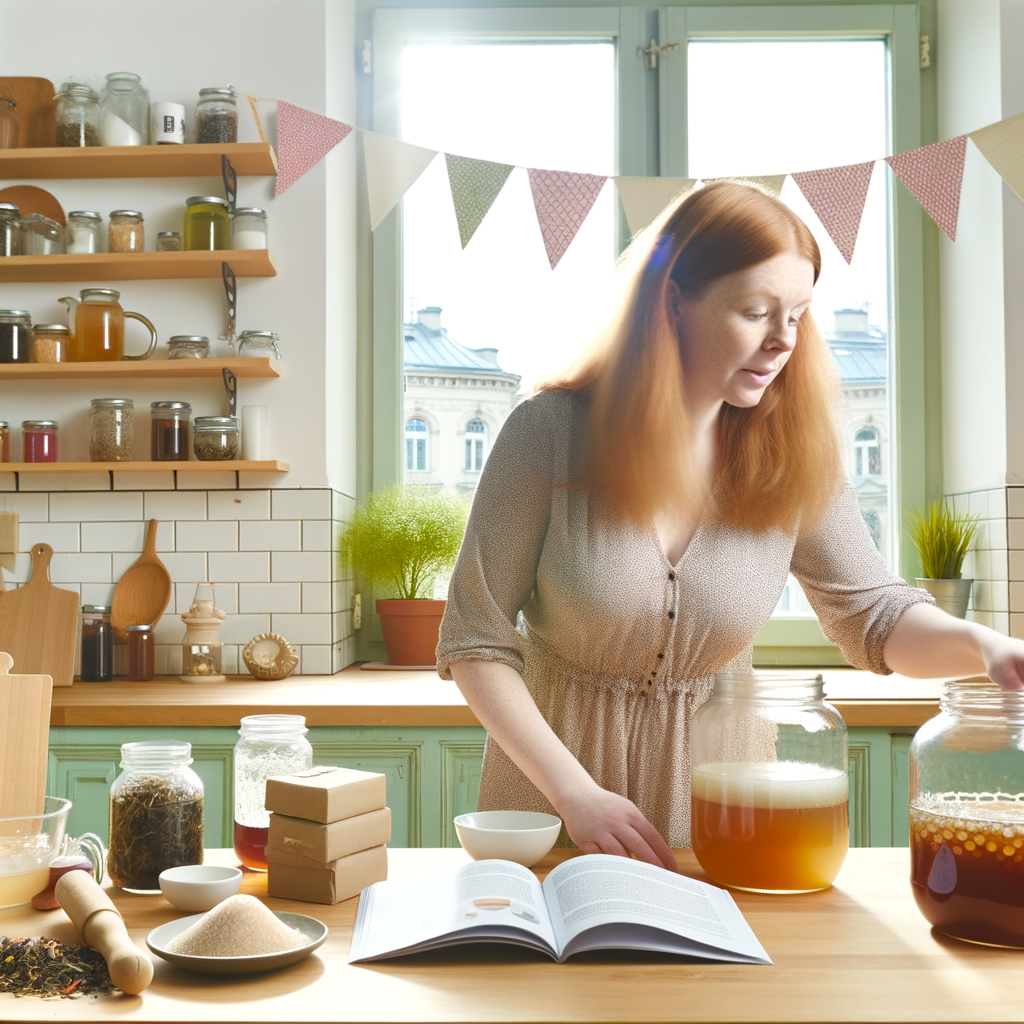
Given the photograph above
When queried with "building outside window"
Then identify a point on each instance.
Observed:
(417, 435)
(867, 455)
(476, 445)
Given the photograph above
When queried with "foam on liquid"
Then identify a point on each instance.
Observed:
(774, 785)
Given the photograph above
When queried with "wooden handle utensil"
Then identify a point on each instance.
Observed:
(95, 916)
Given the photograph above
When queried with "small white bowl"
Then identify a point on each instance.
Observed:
(199, 887)
(521, 836)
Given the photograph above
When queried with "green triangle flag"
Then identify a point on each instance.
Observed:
(475, 185)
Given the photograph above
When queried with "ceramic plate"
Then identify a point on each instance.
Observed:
(314, 930)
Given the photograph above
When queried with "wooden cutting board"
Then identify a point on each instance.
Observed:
(36, 107)
(32, 199)
(24, 740)
(39, 623)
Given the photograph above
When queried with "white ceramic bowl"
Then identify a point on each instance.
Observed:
(199, 887)
(521, 836)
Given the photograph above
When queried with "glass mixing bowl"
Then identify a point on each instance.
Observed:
(27, 845)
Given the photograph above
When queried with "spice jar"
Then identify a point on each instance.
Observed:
(967, 815)
(39, 439)
(141, 654)
(249, 228)
(77, 116)
(50, 343)
(111, 430)
(15, 335)
(8, 123)
(169, 431)
(5, 441)
(188, 346)
(10, 230)
(41, 236)
(156, 814)
(217, 116)
(127, 232)
(168, 241)
(769, 789)
(83, 231)
(215, 438)
(259, 343)
(97, 644)
(125, 111)
(269, 745)
(207, 224)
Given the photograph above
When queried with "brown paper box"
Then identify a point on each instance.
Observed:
(303, 843)
(340, 880)
(326, 793)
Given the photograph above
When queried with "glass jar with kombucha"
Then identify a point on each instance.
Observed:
(769, 789)
(967, 815)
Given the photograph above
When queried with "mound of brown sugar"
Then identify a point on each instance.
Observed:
(240, 926)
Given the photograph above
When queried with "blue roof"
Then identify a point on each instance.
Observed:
(860, 362)
(434, 350)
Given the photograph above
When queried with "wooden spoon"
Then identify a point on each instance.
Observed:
(143, 592)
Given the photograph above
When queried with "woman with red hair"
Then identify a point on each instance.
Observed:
(638, 516)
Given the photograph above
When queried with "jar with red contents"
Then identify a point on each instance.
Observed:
(40, 440)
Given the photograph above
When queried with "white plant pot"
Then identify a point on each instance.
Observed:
(950, 595)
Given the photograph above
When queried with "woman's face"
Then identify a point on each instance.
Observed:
(737, 333)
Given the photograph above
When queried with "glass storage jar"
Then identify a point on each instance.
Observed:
(10, 230)
(188, 346)
(8, 123)
(156, 814)
(141, 653)
(77, 116)
(97, 644)
(83, 231)
(50, 343)
(215, 438)
(5, 441)
(259, 343)
(111, 430)
(169, 431)
(41, 236)
(207, 224)
(168, 241)
(39, 438)
(967, 815)
(249, 228)
(15, 335)
(217, 116)
(126, 231)
(269, 745)
(769, 785)
(124, 111)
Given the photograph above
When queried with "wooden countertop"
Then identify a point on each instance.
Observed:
(355, 697)
(859, 951)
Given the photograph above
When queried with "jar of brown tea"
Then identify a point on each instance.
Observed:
(5, 441)
(15, 335)
(141, 653)
(169, 431)
(156, 814)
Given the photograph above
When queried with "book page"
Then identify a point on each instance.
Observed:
(488, 899)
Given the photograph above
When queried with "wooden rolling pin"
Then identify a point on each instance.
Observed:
(95, 916)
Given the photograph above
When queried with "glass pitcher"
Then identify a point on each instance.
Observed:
(98, 328)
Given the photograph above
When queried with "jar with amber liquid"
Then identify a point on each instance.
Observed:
(98, 334)
(967, 815)
(769, 789)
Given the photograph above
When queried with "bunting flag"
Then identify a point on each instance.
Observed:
(934, 175)
(562, 200)
(837, 195)
(644, 198)
(771, 182)
(475, 185)
(391, 168)
(1002, 145)
(303, 140)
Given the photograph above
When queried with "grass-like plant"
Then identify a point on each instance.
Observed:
(942, 537)
(403, 538)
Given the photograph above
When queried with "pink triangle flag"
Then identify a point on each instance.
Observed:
(837, 195)
(562, 199)
(303, 140)
(934, 175)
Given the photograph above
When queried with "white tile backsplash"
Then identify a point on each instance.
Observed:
(60, 536)
(1015, 502)
(208, 535)
(270, 597)
(218, 480)
(301, 566)
(316, 597)
(313, 503)
(316, 535)
(96, 507)
(270, 535)
(316, 659)
(31, 508)
(239, 504)
(240, 566)
(80, 568)
(160, 481)
(303, 629)
(240, 629)
(164, 505)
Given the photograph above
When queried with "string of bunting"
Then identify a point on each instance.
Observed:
(563, 199)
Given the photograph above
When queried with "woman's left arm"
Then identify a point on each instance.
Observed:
(927, 643)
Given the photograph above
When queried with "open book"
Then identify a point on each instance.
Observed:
(588, 902)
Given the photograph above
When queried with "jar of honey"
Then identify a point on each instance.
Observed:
(99, 327)
(769, 790)
(967, 815)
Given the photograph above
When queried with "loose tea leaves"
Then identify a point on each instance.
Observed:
(48, 968)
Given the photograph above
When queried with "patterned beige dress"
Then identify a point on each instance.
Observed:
(617, 646)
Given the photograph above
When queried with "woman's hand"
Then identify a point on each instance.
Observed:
(602, 822)
(1004, 659)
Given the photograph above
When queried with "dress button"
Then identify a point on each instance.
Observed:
(661, 655)
(671, 575)
(671, 615)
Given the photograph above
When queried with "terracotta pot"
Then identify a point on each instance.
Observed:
(410, 630)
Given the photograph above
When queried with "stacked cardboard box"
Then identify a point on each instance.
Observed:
(328, 827)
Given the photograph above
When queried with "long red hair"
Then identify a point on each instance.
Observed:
(779, 462)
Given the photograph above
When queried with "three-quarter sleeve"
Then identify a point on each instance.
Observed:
(497, 565)
(857, 599)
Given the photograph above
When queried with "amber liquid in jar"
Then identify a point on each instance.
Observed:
(99, 333)
(967, 870)
(169, 440)
(251, 846)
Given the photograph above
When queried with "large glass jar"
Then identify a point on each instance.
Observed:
(156, 814)
(50, 344)
(216, 116)
(188, 346)
(15, 335)
(207, 224)
(249, 228)
(39, 440)
(41, 236)
(8, 123)
(215, 438)
(967, 815)
(269, 745)
(169, 431)
(83, 231)
(77, 116)
(769, 783)
(111, 430)
(259, 343)
(10, 230)
(126, 231)
(125, 111)
(97, 644)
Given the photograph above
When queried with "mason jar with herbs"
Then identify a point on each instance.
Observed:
(169, 431)
(50, 344)
(207, 224)
(126, 231)
(216, 116)
(15, 335)
(77, 115)
(39, 440)
(111, 430)
(215, 438)
(83, 231)
(188, 346)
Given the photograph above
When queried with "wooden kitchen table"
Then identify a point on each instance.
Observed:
(859, 951)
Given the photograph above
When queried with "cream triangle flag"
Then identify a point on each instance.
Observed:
(475, 185)
(772, 182)
(1002, 145)
(644, 198)
(391, 168)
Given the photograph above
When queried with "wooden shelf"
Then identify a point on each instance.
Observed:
(237, 465)
(247, 158)
(144, 369)
(137, 266)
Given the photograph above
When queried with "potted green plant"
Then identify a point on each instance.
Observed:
(942, 537)
(399, 542)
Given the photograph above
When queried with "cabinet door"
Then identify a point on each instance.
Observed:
(460, 784)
